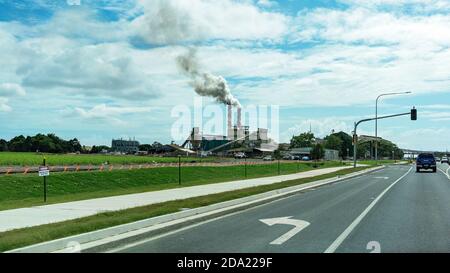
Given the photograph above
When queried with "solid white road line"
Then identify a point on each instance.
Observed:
(335, 245)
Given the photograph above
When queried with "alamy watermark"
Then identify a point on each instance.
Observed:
(255, 122)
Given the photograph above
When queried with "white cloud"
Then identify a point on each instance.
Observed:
(436, 116)
(101, 113)
(4, 107)
(320, 127)
(177, 21)
(88, 64)
(359, 53)
(82, 24)
(101, 70)
(435, 106)
(415, 6)
(267, 3)
(373, 27)
(413, 139)
(11, 89)
(104, 111)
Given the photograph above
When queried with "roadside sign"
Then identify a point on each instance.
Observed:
(44, 171)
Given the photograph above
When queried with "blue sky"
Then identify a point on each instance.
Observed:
(107, 69)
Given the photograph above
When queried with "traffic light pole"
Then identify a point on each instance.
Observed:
(413, 114)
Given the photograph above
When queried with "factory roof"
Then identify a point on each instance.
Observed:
(179, 148)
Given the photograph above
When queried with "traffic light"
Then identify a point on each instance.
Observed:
(414, 114)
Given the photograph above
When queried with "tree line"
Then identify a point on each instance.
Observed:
(51, 143)
(41, 143)
(343, 143)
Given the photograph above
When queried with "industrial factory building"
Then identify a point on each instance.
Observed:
(238, 139)
(124, 146)
(329, 153)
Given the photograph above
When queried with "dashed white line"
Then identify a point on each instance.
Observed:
(334, 246)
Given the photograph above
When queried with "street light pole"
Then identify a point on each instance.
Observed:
(355, 134)
(376, 119)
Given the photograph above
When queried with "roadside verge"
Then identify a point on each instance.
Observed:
(134, 224)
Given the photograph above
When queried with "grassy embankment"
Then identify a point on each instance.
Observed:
(27, 190)
(28, 236)
(35, 159)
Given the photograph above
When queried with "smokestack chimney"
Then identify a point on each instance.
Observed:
(230, 116)
(239, 117)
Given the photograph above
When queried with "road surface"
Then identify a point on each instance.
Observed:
(392, 210)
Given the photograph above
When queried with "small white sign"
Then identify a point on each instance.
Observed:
(44, 171)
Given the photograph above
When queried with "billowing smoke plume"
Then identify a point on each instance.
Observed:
(206, 84)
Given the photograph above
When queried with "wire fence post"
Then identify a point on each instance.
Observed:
(45, 183)
(279, 171)
(245, 166)
(179, 170)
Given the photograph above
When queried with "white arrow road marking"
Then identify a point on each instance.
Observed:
(299, 226)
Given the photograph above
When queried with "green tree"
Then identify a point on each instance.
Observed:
(385, 149)
(75, 145)
(157, 147)
(18, 144)
(99, 149)
(146, 147)
(303, 140)
(333, 142)
(277, 154)
(346, 146)
(317, 152)
(43, 143)
(3, 145)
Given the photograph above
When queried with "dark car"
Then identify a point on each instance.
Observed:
(426, 161)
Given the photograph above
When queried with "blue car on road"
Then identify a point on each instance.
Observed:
(426, 161)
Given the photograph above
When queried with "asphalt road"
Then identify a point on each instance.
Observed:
(392, 210)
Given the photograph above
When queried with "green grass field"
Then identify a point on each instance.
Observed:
(33, 235)
(34, 159)
(27, 190)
